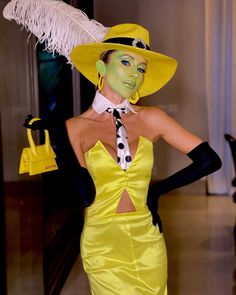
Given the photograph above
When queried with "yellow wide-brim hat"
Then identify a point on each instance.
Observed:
(128, 37)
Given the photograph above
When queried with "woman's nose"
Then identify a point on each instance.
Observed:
(134, 73)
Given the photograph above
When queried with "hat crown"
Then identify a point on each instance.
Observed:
(133, 31)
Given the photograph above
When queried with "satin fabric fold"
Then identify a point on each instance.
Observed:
(122, 253)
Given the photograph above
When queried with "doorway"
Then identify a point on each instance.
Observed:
(42, 225)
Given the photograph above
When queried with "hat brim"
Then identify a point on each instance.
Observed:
(160, 68)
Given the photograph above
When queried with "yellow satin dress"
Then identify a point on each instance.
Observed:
(122, 253)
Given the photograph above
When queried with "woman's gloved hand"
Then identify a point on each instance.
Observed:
(37, 125)
(152, 203)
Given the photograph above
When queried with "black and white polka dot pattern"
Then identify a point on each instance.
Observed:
(123, 154)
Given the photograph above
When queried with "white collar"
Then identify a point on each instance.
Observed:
(101, 103)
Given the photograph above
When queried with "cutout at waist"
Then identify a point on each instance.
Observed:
(125, 204)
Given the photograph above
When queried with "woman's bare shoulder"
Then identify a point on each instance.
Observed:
(154, 120)
(166, 127)
(150, 113)
(79, 123)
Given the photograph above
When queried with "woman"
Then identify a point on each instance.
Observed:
(122, 244)
(122, 251)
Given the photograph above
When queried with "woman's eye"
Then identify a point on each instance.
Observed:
(141, 70)
(125, 62)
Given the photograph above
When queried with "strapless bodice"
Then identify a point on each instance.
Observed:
(111, 180)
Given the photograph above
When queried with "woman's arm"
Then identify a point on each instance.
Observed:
(74, 127)
(165, 127)
(75, 175)
(204, 159)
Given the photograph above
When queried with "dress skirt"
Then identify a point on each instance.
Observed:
(124, 254)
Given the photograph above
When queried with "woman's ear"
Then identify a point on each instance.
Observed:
(101, 67)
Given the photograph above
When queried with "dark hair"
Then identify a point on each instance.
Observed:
(105, 55)
(105, 58)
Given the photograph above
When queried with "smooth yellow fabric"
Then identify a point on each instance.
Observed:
(37, 159)
(122, 253)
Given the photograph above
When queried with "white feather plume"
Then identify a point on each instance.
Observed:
(61, 25)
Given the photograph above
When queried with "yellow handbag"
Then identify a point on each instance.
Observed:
(37, 159)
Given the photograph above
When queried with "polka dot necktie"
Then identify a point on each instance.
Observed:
(123, 153)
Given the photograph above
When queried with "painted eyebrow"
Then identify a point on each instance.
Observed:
(142, 63)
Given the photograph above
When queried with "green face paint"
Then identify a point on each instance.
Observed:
(125, 72)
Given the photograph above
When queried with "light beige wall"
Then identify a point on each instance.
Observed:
(176, 29)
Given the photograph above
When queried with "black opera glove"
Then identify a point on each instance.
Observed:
(205, 161)
(152, 203)
(37, 125)
(79, 179)
(83, 185)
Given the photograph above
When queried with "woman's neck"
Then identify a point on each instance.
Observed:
(112, 96)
